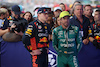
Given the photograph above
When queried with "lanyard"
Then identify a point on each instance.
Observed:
(81, 27)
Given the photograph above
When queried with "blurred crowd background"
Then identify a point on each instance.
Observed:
(30, 5)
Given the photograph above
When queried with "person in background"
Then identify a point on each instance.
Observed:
(57, 22)
(65, 40)
(88, 13)
(36, 39)
(94, 31)
(8, 12)
(72, 8)
(81, 21)
(28, 16)
(91, 56)
(57, 11)
(13, 52)
(50, 20)
(8, 21)
(3, 14)
(62, 6)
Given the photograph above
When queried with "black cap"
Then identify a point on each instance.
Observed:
(42, 10)
(16, 9)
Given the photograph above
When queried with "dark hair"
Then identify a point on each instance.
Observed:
(62, 4)
(56, 24)
(51, 13)
(4, 6)
(9, 11)
(87, 5)
(31, 16)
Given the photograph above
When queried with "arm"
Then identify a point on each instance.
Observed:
(86, 41)
(85, 38)
(94, 41)
(54, 40)
(91, 36)
(2, 32)
(91, 39)
(26, 37)
(4, 27)
(79, 40)
(26, 40)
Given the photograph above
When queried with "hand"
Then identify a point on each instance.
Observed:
(8, 29)
(86, 41)
(35, 52)
(12, 26)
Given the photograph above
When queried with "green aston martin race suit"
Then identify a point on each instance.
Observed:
(67, 43)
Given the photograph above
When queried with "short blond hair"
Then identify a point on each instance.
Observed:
(3, 10)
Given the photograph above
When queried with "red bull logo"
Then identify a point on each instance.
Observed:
(29, 47)
(97, 37)
(44, 39)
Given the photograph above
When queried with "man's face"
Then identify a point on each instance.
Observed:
(78, 10)
(65, 21)
(88, 11)
(43, 16)
(2, 16)
(14, 15)
(97, 16)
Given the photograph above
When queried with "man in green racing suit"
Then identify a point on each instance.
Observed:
(67, 42)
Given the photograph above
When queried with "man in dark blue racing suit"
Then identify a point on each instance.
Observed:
(36, 39)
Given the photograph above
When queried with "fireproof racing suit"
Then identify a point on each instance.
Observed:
(94, 31)
(67, 43)
(36, 37)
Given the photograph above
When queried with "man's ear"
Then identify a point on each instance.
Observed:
(38, 15)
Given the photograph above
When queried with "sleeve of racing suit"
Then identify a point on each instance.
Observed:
(78, 40)
(54, 40)
(90, 32)
(26, 37)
